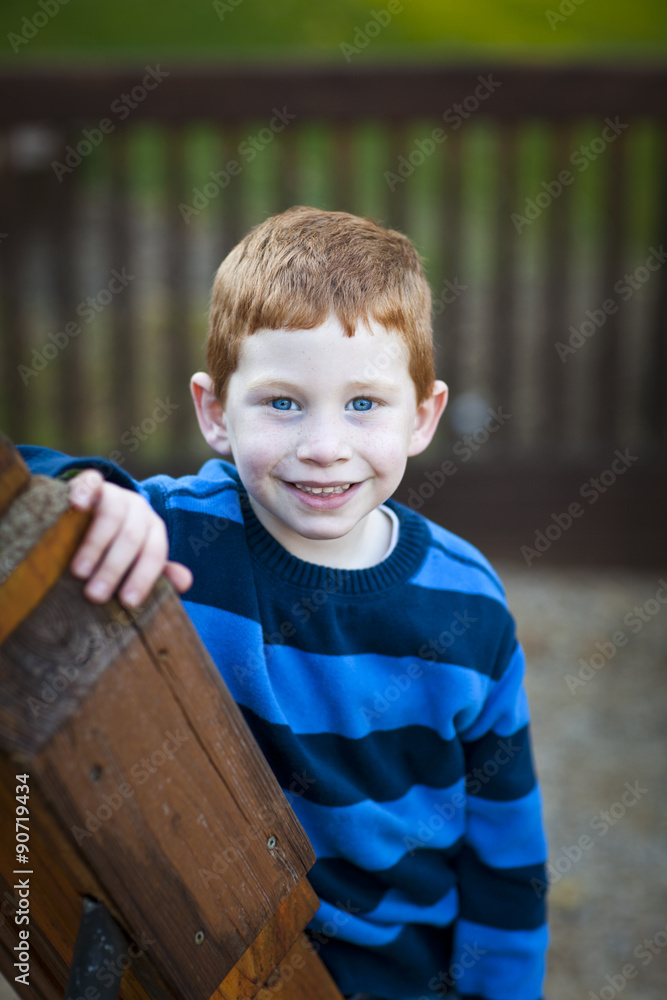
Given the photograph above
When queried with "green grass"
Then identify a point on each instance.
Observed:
(290, 30)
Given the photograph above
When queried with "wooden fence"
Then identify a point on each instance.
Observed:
(535, 194)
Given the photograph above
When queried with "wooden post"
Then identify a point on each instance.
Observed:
(146, 789)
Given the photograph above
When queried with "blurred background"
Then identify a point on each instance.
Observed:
(521, 145)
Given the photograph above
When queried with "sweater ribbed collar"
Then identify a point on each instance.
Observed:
(273, 559)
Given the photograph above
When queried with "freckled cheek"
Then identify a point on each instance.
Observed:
(388, 463)
(386, 447)
(261, 451)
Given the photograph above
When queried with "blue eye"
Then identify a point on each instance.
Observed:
(281, 404)
(362, 404)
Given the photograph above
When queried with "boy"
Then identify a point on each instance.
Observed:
(370, 650)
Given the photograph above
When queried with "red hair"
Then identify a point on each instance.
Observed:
(297, 268)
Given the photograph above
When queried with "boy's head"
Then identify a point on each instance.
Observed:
(296, 269)
(321, 378)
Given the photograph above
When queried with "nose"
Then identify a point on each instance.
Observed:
(323, 440)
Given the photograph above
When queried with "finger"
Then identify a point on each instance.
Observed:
(179, 575)
(103, 529)
(85, 489)
(135, 540)
(147, 566)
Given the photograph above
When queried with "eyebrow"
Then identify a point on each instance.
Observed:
(357, 385)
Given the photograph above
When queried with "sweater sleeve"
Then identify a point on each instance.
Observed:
(48, 462)
(501, 934)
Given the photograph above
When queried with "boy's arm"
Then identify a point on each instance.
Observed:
(501, 934)
(126, 540)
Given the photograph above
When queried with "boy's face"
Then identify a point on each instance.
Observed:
(320, 427)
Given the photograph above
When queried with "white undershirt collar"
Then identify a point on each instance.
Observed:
(394, 529)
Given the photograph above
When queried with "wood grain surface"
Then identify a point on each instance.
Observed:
(147, 791)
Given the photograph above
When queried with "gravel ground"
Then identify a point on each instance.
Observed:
(596, 731)
(593, 737)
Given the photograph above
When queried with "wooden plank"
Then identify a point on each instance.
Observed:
(125, 347)
(177, 325)
(61, 202)
(655, 368)
(343, 173)
(553, 373)
(501, 335)
(447, 321)
(233, 226)
(271, 946)
(58, 880)
(27, 576)
(606, 346)
(14, 473)
(147, 768)
(396, 216)
(50, 663)
(145, 790)
(301, 976)
(499, 506)
(289, 175)
(342, 93)
(17, 208)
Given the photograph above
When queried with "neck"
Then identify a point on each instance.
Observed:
(364, 546)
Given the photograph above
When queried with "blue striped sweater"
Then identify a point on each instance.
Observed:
(390, 704)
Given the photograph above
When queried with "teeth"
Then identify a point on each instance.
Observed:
(323, 489)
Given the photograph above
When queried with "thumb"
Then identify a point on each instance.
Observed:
(179, 575)
(85, 489)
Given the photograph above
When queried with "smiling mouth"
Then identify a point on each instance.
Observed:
(316, 490)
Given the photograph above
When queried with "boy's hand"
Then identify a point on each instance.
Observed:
(126, 538)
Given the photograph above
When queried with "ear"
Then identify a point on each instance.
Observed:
(427, 418)
(210, 413)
